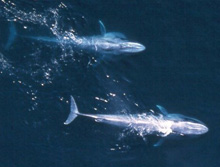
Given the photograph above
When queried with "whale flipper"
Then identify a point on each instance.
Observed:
(159, 143)
(12, 35)
(73, 111)
(181, 117)
(162, 109)
(102, 28)
(115, 35)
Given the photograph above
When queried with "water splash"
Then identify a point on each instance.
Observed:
(158, 125)
(7, 69)
(39, 65)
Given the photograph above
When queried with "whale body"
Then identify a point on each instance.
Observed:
(108, 43)
(163, 124)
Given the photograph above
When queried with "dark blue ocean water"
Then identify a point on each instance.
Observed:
(180, 70)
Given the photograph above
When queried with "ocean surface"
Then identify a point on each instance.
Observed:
(180, 70)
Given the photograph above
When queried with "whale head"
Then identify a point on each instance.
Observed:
(131, 47)
(183, 125)
(188, 127)
(116, 46)
(115, 43)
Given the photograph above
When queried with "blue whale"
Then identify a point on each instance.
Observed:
(162, 125)
(107, 43)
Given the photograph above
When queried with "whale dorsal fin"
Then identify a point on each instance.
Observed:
(162, 109)
(102, 28)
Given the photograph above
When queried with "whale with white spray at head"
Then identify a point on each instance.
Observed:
(163, 124)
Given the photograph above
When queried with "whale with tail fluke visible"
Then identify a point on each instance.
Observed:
(108, 44)
(163, 124)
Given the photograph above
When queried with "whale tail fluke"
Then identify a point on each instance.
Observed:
(73, 111)
(12, 35)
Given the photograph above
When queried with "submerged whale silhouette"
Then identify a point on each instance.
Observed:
(111, 43)
(162, 125)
